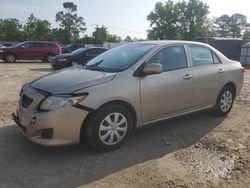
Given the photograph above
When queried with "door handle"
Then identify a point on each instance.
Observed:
(221, 70)
(187, 76)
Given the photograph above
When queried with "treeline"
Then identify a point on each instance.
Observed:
(183, 20)
(186, 20)
(71, 27)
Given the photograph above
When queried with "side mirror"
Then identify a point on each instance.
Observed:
(152, 68)
(22, 47)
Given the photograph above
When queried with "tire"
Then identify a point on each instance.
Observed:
(109, 127)
(48, 57)
(10, 58)
(224, 102)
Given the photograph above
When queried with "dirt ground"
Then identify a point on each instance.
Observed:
(198, 150)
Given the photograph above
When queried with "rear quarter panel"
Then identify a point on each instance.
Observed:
(235, 75)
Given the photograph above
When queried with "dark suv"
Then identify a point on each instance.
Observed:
(30, 51)
(72, 47)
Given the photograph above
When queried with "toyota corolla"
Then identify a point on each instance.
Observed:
(125, 88)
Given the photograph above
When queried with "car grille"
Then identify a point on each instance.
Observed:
(26, 101)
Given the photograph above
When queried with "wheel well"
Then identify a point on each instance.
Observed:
(120, 102)
(232, 85)
(10, 53)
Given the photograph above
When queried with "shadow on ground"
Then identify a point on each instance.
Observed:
(25, 62)
(24, 164)
(42, 69)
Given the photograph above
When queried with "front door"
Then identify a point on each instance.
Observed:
(170, 92)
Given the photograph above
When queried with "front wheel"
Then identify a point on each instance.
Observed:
(10, 58)
(109, 127)
(224, 101)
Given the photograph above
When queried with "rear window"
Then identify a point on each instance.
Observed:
(52, 45)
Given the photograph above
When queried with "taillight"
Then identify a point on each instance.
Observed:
(242, 69)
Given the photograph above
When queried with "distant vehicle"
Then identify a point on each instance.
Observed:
(30, 51)
(79, 56)
(124, 88)
(230, 47)
(72, 47)
(8, 44)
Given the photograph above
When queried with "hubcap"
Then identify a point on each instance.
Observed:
(226, 101)
(10, 58)
(113, 128)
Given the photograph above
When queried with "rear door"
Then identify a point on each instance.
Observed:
(38, 50)
(170, 92)
(209, 75)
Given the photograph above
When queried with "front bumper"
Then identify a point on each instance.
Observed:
(60, 64)
(50, 128)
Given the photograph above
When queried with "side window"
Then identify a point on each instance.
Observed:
(91, 52)
(171, 58)
(37, 45)
(201, 55)
(99, 51)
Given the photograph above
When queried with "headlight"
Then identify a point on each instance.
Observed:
(62, 59)
(1, 51)
(55, 102)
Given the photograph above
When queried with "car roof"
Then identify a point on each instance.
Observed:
(92, 47)
(169, 42)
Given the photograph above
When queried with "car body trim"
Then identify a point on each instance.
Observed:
(82, 107)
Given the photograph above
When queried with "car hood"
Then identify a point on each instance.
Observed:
(70, 80)
(62, 56)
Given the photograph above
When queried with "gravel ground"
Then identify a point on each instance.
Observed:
(198, 150)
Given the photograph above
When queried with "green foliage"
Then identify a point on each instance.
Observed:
(113, 38)
(36, 29)
(246, 36)
(70, 23)
(128, 39)
(100, 34)
(10, 29)
(233, 26)
(181, 20)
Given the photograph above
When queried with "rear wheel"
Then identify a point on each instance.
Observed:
(48, 58)
(224, 101)
(109, 127)
(10, 58)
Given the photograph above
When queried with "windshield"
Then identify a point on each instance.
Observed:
(19, 44)
(120, 58)
(78, 51)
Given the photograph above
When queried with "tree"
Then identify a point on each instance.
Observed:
(10, 29)
(36, 29)
(100, 34)
(246, 36)
(70, 23)
(128, 39)
(113, 38)
(230, 26)
(163, 21)
(181, 20)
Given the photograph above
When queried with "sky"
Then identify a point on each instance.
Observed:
(121, 17)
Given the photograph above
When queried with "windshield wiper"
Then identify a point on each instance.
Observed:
(95, 66)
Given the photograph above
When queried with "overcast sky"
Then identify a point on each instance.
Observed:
(121, 17)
